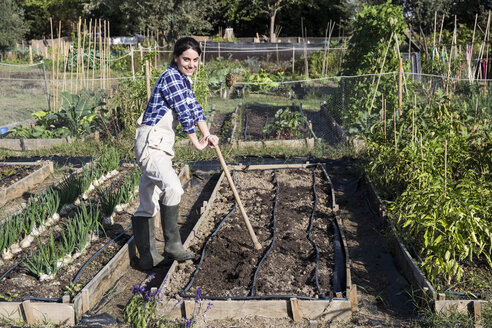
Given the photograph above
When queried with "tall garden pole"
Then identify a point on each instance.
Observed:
(147, 77)
(46, 87)
(52, 64)
(79, 51)
(381, 70)
(82, 64)
(306, 63)
(487, 32)
(204, 50)
(293, 57)
(89, 41)
(59, 47)
(109, 56)
(400, 73)
(133, 64)
(66, 49)
(100, 54)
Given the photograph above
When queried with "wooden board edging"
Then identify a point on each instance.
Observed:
(37, 312)
(20, 187)
(336, 310)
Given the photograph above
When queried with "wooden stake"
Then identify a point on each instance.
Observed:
(109, 57)
(147, 77)
(413, 117)
(306, 63)
(100, 55)
(133, 64)
(381, 70)
(89, 52)
(422, 153)
(256, 244)
(293, 57)
(204, 50)
(445, 165)
(30, 55)
(400, 73)
(82, 64)
(394, 129)
(384, 114)
(79, 54)
(276, 52)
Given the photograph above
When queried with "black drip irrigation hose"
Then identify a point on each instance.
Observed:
(310, 228)
(339, 274)
(79, 274)
(59, 236)
(198, 267)
(184, 294)
(274, 237)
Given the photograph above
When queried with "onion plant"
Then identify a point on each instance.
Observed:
(44, 260)
(109, 200)
(69, 189)
(109, 161)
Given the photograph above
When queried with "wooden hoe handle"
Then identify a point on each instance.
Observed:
(238, 200)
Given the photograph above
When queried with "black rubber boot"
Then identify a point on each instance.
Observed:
(172, 239)
(144, 234)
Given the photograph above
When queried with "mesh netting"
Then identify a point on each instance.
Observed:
(23, 90)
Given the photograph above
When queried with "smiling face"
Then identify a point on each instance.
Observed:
(187, 62)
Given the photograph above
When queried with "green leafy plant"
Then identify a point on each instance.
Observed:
(287, 125)
(435, 169)
(79, 111)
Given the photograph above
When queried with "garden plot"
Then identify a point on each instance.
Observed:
(258, 125)
(61, 264)
(302, 267)
(16, 179)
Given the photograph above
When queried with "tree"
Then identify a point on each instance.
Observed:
(38, 13)
(421, 13)
(12, 25)
(271, 8)
(374, 28)
(317, 14)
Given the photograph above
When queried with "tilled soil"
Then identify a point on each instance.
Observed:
(229, 264)
(11, 173)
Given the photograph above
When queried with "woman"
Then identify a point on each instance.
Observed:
(172, 98)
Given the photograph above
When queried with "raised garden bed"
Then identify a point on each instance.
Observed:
(464, 303)
(76, 287)
(250, 120)
(18, 178)
(302, 270)
(22, 144)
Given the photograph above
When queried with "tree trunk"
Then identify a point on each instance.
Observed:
(273, 37)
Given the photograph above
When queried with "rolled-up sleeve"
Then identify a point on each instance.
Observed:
(180, 97)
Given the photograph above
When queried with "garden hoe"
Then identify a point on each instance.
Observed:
(238, 200)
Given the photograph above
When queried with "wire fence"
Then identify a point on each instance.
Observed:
(356, 102)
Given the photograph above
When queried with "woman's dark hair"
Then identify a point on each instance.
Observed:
(184, 44)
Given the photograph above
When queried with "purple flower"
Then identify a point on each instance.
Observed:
(175, 305)
(198, 294)
(188, 322)
(209, 306)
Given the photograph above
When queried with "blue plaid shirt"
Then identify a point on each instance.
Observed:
(173, 91)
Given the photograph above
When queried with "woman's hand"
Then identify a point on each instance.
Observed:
(212, 140)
